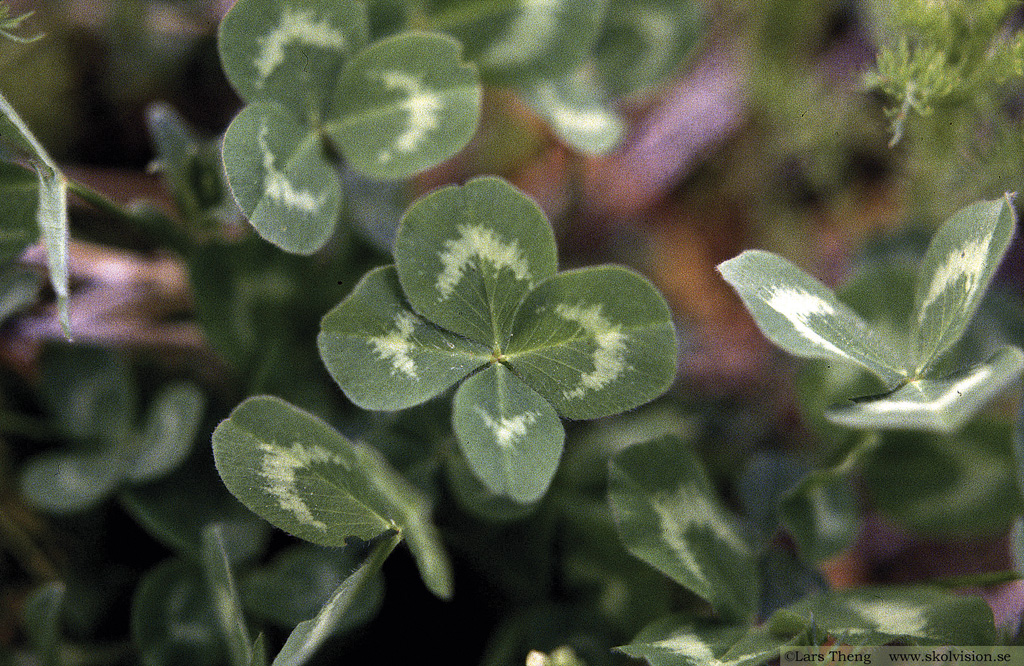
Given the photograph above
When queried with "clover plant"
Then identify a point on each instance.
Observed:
(321, 97)
(474, 293)
(669, 514)
(570, 61)
(465, 350)
(805, 318)
(317, 93)
(473, 297)
(91, 401)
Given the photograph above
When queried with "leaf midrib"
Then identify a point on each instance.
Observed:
(339, 120)
(331, 481)
(581, 335)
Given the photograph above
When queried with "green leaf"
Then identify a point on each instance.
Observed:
(89, 392)
(280, 175)
(302, 578)
(668, 514)
(955, 273)
(310, 634)
(176, 509)
(52, 210)
(822, 511)
(297, 472)
(383, 355)
(291, 51)
(645, 41)
(516, 41)
(411, 510)
(595, 342)
(405, 104)
(868, 616)
(193, 171)
(259, 652)
(510, 435)
(168, 431)
(804, 317)
(19, 200)
(226, 603)
(90, 395)
(680, 641)
(20, 288)
(42, 613)
(172, 619)
(939, 405)
(916, 615)
(467, 256)
(959, 485)
(578, 112)
(66, 483)
(300, 474)
(822, 514)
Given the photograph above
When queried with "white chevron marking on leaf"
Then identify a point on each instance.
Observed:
(507, 431)
(690, 645)
(395, 345)
(278, 186)
(798, 306)
(478, 242)
(675, 524)
(423, 107)
(968, 263)
(297, 25)
(609, 357)
(891, 615)
(591, 122)
(279, 468)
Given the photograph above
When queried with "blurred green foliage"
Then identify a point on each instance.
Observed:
(738, 489)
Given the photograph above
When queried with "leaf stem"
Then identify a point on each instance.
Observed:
(101, 202)
(865, 445)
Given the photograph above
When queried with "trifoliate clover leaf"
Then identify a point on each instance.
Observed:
(804, 317)
(474, 293)
(317, 93)
(668, 514)
(303, 476)
(290, 51)
(515, 43)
